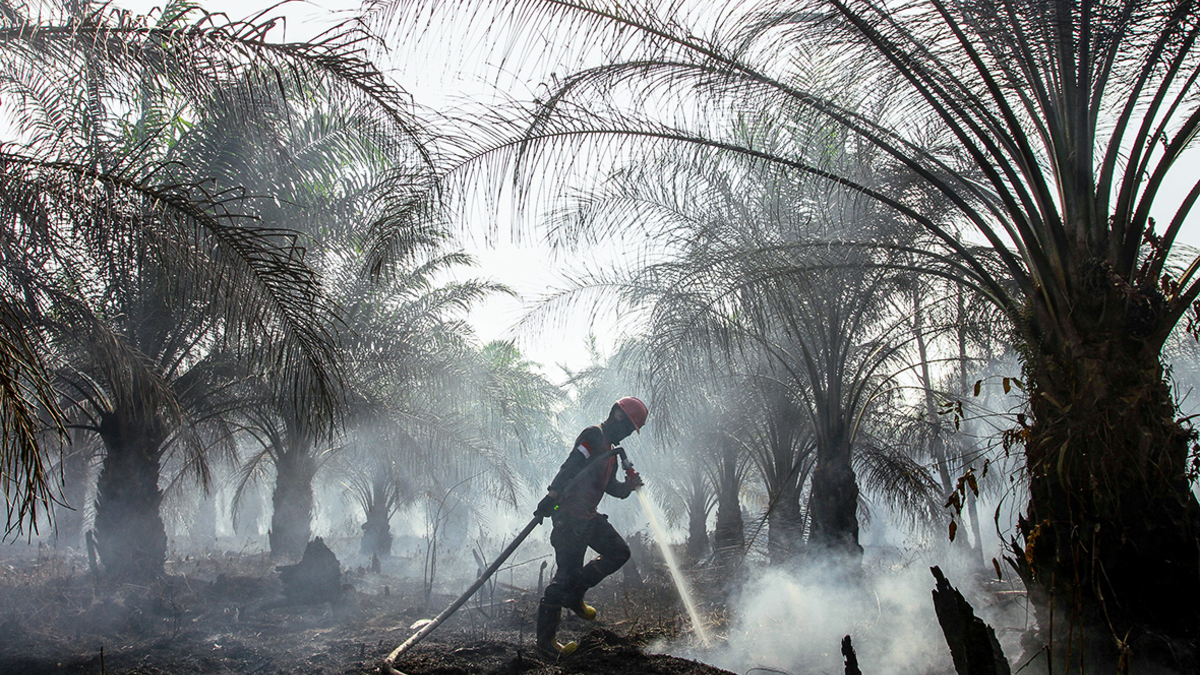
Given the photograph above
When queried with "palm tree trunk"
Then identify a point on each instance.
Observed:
(833, 505)
(291, 520)
(697, 541)
(1111, 532)
(729, 537)
(130, 536)
(785, 524)
(377, 530)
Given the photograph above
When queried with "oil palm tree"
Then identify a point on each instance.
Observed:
(756, 263)
(1067, 121)
(178, 401)
(1073, 115)
(411, 401)
(151, 287)
(321, 169)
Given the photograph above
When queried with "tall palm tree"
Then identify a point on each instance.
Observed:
(749, 267)
(178, 400)
(1067, 121)
(1073, 115)
(147, 282)
(380, 489)
(411, 412)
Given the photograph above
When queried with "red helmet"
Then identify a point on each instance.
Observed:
(635, 410)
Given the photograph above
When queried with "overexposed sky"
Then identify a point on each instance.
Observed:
(526, 266)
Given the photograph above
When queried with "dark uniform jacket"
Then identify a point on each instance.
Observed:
(597, 475)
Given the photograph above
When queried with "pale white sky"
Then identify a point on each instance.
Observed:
(526, 267)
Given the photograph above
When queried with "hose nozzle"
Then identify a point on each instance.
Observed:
(625, 463)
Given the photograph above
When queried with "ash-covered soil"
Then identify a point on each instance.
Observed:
(600, 651)
(226, 613)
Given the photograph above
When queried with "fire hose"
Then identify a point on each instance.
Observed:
(437, 621)
(387, 667)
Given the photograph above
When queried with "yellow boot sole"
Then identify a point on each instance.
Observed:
(559, 650)
(585, 611)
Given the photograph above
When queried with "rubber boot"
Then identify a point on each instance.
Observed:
(548, 617)
(582, 609)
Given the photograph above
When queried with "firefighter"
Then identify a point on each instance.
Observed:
(589, 472)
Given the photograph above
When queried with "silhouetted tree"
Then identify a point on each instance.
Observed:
(1058, 125)
(152, 290)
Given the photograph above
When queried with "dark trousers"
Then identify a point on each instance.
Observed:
(571, 538)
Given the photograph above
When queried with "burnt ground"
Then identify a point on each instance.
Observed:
(226, 613)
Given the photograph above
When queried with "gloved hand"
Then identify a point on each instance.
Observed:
(545, 508)
(633, 479)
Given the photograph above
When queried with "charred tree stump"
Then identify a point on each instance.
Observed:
(851, 657)
(315, 579)
(973, 643)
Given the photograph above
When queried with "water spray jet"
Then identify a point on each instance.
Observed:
(660, 535)
(424, 628)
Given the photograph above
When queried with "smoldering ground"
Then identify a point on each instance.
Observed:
(226, 613)
(792, 620)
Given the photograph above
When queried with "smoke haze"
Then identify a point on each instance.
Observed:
(794, 622)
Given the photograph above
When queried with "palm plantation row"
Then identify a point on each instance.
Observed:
(224, 249)
(182, 273)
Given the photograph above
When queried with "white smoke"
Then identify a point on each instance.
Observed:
(793, 622)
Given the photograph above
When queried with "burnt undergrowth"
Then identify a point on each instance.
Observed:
(227, 613)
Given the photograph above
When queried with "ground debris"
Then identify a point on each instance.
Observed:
(601, 651)
(227, 614)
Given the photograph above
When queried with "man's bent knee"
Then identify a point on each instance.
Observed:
(560, 589)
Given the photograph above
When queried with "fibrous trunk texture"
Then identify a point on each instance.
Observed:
(833, 504)
(1110, 546)
(130, 537)
(291, 520)
(729, 537)
(785, 525)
